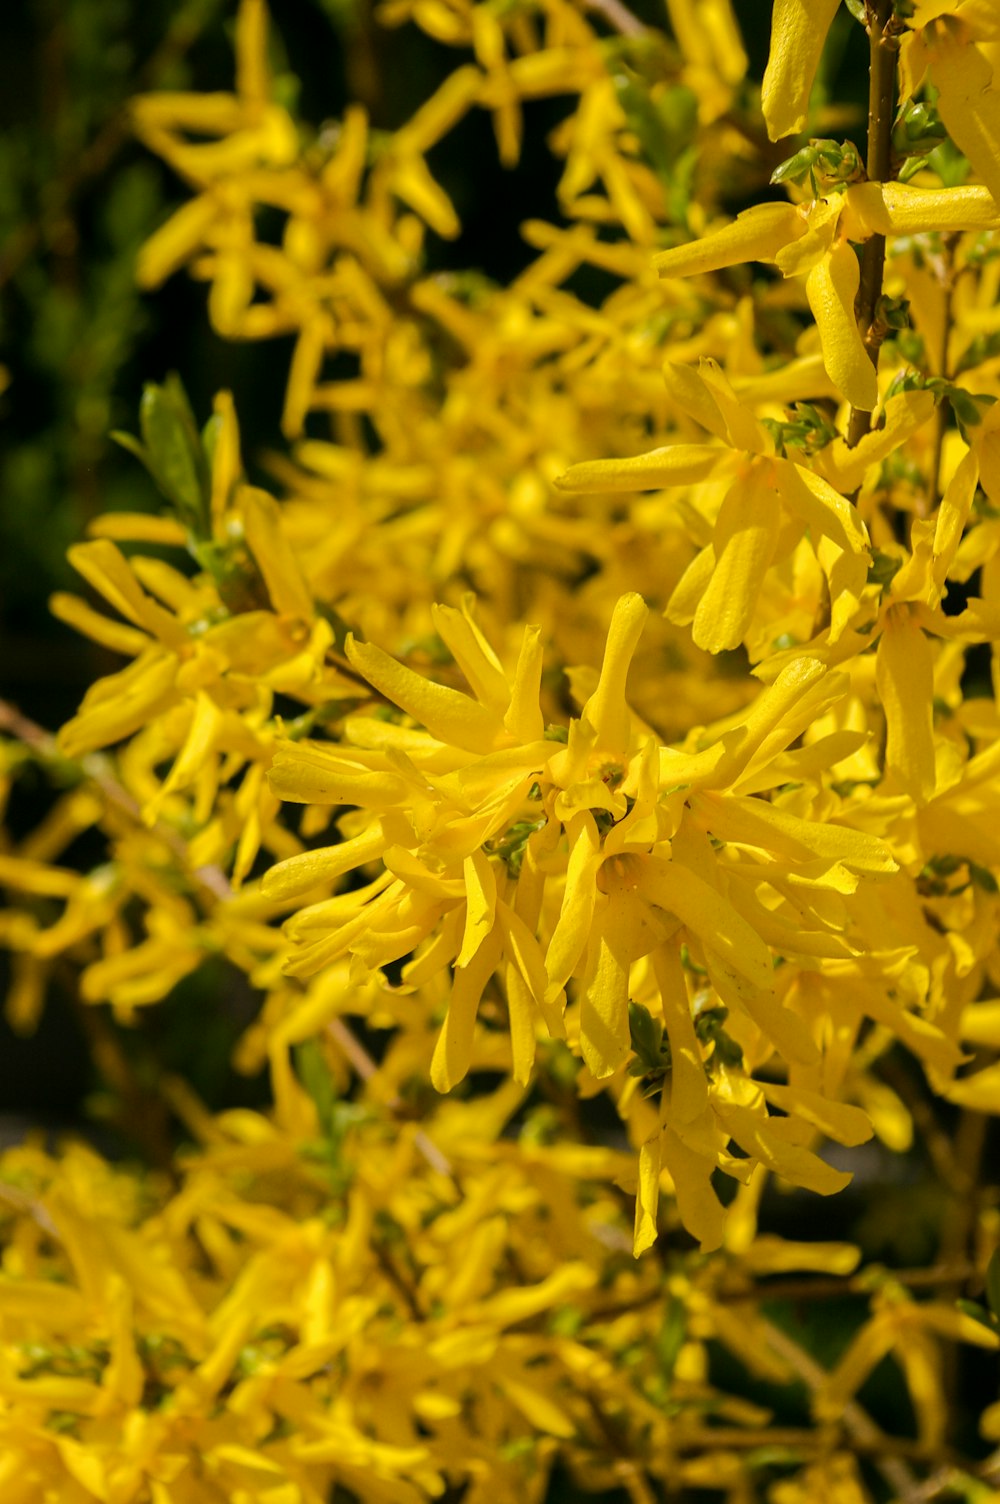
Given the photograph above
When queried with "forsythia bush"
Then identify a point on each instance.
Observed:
(592, 761)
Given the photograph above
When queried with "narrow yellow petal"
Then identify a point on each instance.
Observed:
(299, 874)
(105, 568)
(604, 1027)
(688, 1086)
(306, 773)
(83, 618)
(448, 715)
(699, 1207)
(252, 76)
(268, 542)
(757, 234)
(904, 678)
(453, 1050)
(838, 1120)
(706, 913)
(481, 904)
(473, 654)
(798, 34)
(762, 826)
(198, 746)
(831, 287)
(968, 102)
(647, 1196)
(524, 719)
(745, 537)
(674, 465)
(953, 513)
(771, 1140)
(607, 709)
(905, 209)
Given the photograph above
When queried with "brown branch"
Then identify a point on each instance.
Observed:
(97, 769)
(857, 1423)
(940, 1276)
(881, 98)
(355, 1052)
(619, 17)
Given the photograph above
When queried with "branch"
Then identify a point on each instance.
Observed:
(881, 99)
(856, 1422)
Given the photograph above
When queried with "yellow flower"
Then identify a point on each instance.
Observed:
(764, 494)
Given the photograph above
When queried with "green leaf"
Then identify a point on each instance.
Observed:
(314, 1074)
(174, 454)
(647, 1036)
(977, 1313)
(993, 1282)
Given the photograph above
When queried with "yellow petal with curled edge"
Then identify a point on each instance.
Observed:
(709, 915)
(979, 1092)
(688, 1086)
(481, 904)
(744, 541)
(953, 513)
(524, 719)
(305, 774)
(604, 1026)
(198, 744)
(968, 103)
(757, 234)
(473, 654)
(579, 897)
(699, 1207)
(299, 874)
(647, 1196)
(83, 618)
(904, 209)
(524, 984)
(845, 468)
(268, 542)
(607, 709)
(831, 287)
(169, 247)
(798, 34)
(105, 568)
(117, 706)
(838, 1120)
(904, 678)
(674, 465)
(453, 718)
(453, 1050)
(772, 1142)
(764, 827)
(986, 446)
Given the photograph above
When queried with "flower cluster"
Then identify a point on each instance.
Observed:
(609, 705)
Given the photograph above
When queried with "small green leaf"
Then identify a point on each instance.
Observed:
(174, 453)
(977, 1313)
(647, 1036)
(314, 1074)
(993, 1282)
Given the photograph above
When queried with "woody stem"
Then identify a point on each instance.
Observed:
(881, 100)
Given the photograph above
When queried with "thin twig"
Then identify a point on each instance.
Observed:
(881, 98)
(29, 1206)
(355, 1052)
(619, 17)
(855, 1421)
